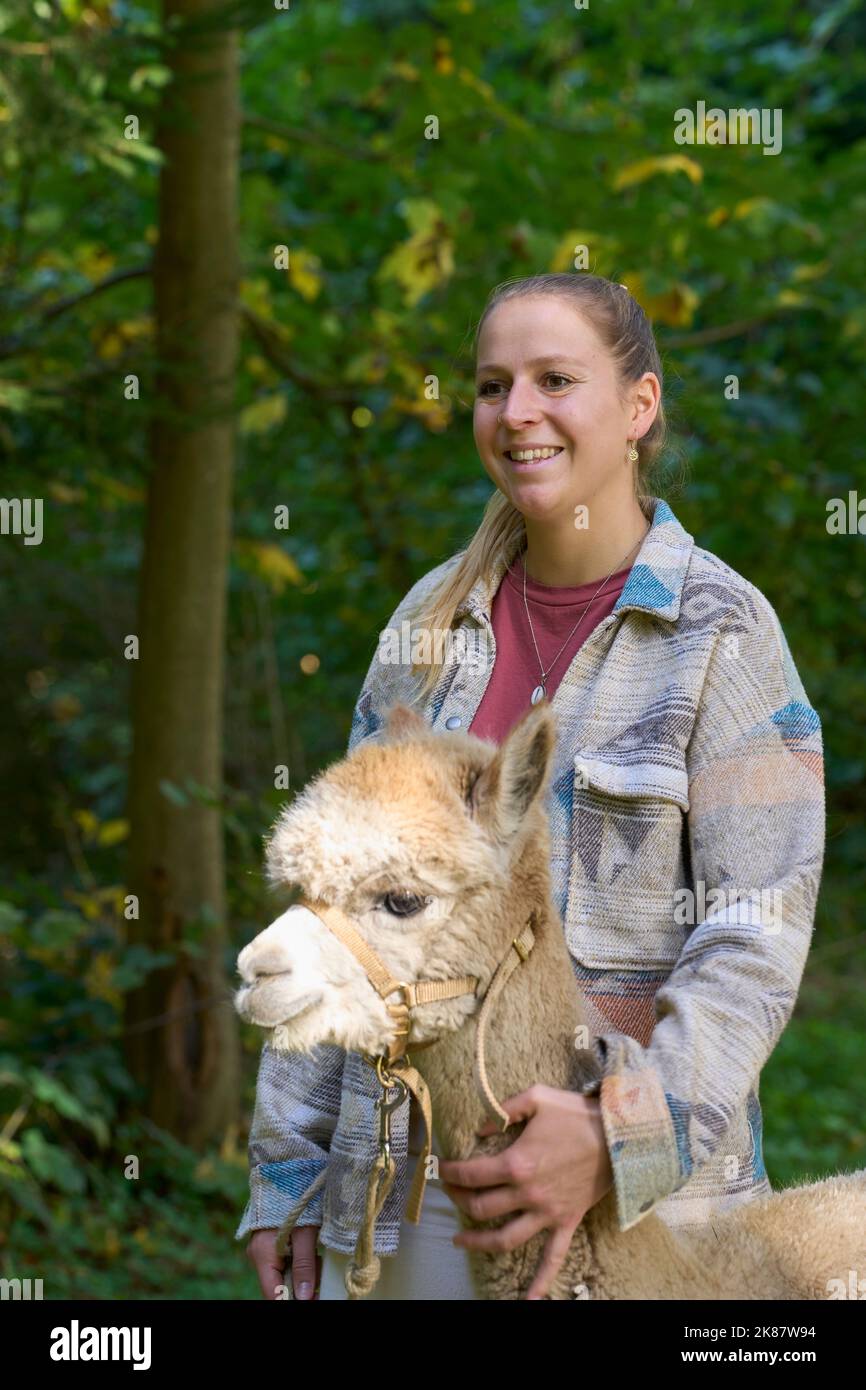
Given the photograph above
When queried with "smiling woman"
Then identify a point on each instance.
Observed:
(687, 758)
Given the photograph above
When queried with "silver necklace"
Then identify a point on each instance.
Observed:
(540, 691)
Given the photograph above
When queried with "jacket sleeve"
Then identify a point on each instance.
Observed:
(298, 1097)
(756, 828)
(297, 1104)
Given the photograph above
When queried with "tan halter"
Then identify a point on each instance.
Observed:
(395, 1069)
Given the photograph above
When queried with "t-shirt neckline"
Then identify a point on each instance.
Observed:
(560, 595)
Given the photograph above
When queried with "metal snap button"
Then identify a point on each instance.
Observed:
(453, 722)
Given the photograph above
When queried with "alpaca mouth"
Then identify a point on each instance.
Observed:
(271, 1013)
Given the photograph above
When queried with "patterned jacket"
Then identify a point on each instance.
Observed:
(687, 839)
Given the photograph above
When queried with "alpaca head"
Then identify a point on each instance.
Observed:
(431, 844)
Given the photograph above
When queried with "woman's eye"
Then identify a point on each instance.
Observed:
(487, 388)
(404, 904)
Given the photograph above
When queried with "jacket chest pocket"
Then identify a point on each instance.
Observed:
(626, 863)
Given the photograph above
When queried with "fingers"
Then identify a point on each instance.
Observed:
(304, 1261)
(262, 1254)
(483, 1206)
(520, 1107)
(510, 1166)
(552, 1261)
(272, 1272)
(507, 1237)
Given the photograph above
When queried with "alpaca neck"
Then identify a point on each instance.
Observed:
(531, 1037)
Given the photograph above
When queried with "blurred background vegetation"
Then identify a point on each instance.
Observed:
(556, 129)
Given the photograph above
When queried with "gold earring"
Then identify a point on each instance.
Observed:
(633, 454)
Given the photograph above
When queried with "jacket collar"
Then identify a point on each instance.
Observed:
(654, 584)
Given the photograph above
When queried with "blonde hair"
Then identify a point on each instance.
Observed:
(623, 327)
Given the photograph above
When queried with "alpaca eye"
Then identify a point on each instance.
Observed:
(404, 904)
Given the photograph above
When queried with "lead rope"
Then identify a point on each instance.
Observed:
(520, 948)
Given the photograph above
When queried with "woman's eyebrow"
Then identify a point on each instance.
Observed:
(535, 362)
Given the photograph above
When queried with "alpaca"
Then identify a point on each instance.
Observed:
(454, 831)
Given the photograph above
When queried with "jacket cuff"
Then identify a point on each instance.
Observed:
(642, 1142)
(274, 1190)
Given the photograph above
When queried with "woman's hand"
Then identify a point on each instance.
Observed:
(306, 1262)
(552, 1174)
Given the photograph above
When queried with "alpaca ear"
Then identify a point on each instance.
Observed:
(503, 793)
(402, 721)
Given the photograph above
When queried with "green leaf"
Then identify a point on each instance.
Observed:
(50, 1163)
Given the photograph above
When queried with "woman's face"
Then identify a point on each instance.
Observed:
(544, 370)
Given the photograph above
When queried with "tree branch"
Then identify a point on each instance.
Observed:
(17, 342)
(267, 341)
(719, 333)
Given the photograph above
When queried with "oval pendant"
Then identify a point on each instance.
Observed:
(538, 694)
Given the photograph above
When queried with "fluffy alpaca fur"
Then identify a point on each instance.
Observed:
(461, 822)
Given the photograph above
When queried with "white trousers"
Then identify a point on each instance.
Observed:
(426, 1266)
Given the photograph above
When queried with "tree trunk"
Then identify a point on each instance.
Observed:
(183, 1044)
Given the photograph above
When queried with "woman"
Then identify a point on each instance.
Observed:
(686, 814)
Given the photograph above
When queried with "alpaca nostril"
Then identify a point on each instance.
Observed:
(259, 964)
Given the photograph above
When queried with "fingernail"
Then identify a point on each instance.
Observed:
(305, 1290)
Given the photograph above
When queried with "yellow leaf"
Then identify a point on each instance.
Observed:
(600, 250)
(811, 272)
(717, 217)
(263, 414)
(111, 832)
(471, 79)
(406, 71)
(98, 979)
(427, 258)
(304, 273)
(792, 299)
(90, 904)
(675, 305)
(272, 563)
(658, 164)
(65, 707)
(115, 490)
(61, 492)
(750, 205)
(111, 1244)
(111, 342)
(256, 296)
(87, 821)
(433, 414)
(367, 366)
(93, 261)
(422, 214)
(260, 368)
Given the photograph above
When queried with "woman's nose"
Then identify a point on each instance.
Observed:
(520, 407)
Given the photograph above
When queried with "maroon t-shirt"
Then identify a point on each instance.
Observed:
(554, 611)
